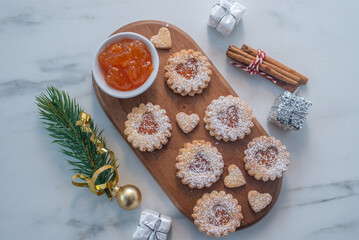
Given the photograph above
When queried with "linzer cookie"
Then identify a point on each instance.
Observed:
(234, 178)
(266, 158)
(187, 122)
(228, 118)
(163, 39)
(199, 164)
(258, 201)
(188, 72)
(148, 127)
(217, 214)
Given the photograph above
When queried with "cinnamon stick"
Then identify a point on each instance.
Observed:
(281, 71)
(263, 68)
(303, 79)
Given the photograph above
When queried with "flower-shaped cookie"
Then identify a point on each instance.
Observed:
(228, 118)
(199, 164)
(217, 213)
(266, 158)
(148, 127)
(188, 72)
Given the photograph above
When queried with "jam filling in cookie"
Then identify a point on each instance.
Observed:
(228, 118)
(220, 216)
(266, 158)
(188, 72)
(188, 69)
(199, 164)
(148, 124)
(217, 213)
(148, 127)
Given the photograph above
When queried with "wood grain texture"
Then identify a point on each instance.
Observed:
(161, 163)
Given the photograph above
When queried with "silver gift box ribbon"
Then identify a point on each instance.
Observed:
(152, 226)
(289, 111)
(225, 15)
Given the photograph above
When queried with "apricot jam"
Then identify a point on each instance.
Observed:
(267, 157)
(221, 216)
(127, 64)
(230, 117)
(201, 164)
(187, 69)
(148, 124)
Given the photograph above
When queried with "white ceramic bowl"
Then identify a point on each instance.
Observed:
(98, 72)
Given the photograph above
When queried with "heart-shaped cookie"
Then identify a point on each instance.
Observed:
(187, 122)
(234, 178)
(258, 201)
(163, 39)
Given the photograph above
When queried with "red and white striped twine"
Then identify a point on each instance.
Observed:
(253, 68)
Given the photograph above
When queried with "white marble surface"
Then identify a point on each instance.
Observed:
(52, 42)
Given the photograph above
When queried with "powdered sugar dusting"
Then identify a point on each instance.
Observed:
(163, 39)
(199, 164)
(234, 178)
(187, 122)
(217, 213)
(228, 118)
(266, 158)
(153, 135)
(148, 124)
(199, 72)
(258, 201)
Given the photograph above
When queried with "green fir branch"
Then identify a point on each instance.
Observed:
(59, 113)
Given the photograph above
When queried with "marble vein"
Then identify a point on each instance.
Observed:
(24, 18)
(342, 226)
(327, 192)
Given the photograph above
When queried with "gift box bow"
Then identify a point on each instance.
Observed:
(290, 110)
(225, 15)
(153, 226)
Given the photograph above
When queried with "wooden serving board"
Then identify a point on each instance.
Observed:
(161, 163)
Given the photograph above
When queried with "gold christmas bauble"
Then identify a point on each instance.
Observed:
(129, 197)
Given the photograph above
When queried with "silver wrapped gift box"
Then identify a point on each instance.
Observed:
(289, 111)
(225, 15)
(152, 226)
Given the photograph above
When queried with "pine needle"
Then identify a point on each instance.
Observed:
(59, 113)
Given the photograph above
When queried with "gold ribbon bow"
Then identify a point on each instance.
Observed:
(84, 123)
